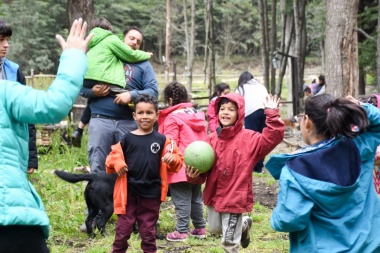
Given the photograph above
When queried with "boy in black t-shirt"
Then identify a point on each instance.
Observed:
(142, 160)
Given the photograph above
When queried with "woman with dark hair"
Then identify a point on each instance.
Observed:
(220, 89)
(254, 94)
(321, 88)
(327, 201)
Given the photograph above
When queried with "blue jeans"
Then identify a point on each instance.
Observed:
(256, 122)
(103, 133)
(188, 202)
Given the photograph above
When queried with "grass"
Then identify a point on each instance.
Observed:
(65, 205)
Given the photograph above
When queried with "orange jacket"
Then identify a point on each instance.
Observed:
(115, 161)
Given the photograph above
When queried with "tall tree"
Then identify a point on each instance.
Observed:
(342, 77)
(299, 7)
(273, 45)
(264, 30)
(209, 62)
(286, 39)
(189, 39)
(80, 9)
(167, 42)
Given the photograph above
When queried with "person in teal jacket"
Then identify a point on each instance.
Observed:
(106, 56)
(24, 224)
(327, 201)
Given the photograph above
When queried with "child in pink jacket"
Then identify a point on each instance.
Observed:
(183, 124)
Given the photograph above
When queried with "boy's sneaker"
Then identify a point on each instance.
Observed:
(177, 237)
(245, 238)
(199, 233)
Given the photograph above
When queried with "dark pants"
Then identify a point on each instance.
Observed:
(86, 114)
(143, 210)
(22, 239)
(256, 121)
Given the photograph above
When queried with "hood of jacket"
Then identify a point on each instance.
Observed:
(327, 169)
(239, 101)
(99, 35)
(195, 120)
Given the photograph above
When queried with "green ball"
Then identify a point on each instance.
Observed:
(200, 155)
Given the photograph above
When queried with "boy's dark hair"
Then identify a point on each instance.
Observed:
(177, 92)
(5, 29)
(243, 79)
(219, 88)
(102, 23)
(307, 89)
(336, 116)
(224, 101)
(145, 98)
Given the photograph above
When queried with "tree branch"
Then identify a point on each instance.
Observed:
(365, 34)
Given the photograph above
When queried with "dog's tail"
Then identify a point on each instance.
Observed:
(74, 178)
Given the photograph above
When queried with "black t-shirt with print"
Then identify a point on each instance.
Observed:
(142, 154)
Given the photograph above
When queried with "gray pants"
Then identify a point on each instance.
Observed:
(103, 133)
(188, 202)
(230, 225)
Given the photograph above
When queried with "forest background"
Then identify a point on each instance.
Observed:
(210, 39)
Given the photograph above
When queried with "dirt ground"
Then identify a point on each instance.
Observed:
(264, 193)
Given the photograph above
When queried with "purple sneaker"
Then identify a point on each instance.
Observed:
(199, 233)
(177, 237)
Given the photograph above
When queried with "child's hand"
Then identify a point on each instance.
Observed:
(101, 90)
(168, 158)
(150, 54)
(76, 38)
(271, 102)
(192, 172)
(122, 171)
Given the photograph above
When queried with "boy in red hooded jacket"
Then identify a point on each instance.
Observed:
(142, 160)
(228, 190)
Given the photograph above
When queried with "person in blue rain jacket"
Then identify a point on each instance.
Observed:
(327, 201)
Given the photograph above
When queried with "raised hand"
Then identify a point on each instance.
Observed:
(272, 102)
(77, 37)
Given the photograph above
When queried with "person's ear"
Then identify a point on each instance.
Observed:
(134, 115)
(308, 123)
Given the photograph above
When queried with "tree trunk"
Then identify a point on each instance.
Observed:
(378, 52)
(264, 41)
(341, 48)
(287, 34)
(167, 42)
(209, 63)
(189, 35)
(274, 46)
(300, 43)
(80, 9)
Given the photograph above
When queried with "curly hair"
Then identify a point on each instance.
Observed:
(177, 92)
(145, 98)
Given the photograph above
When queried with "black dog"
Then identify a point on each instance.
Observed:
(98, 195)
